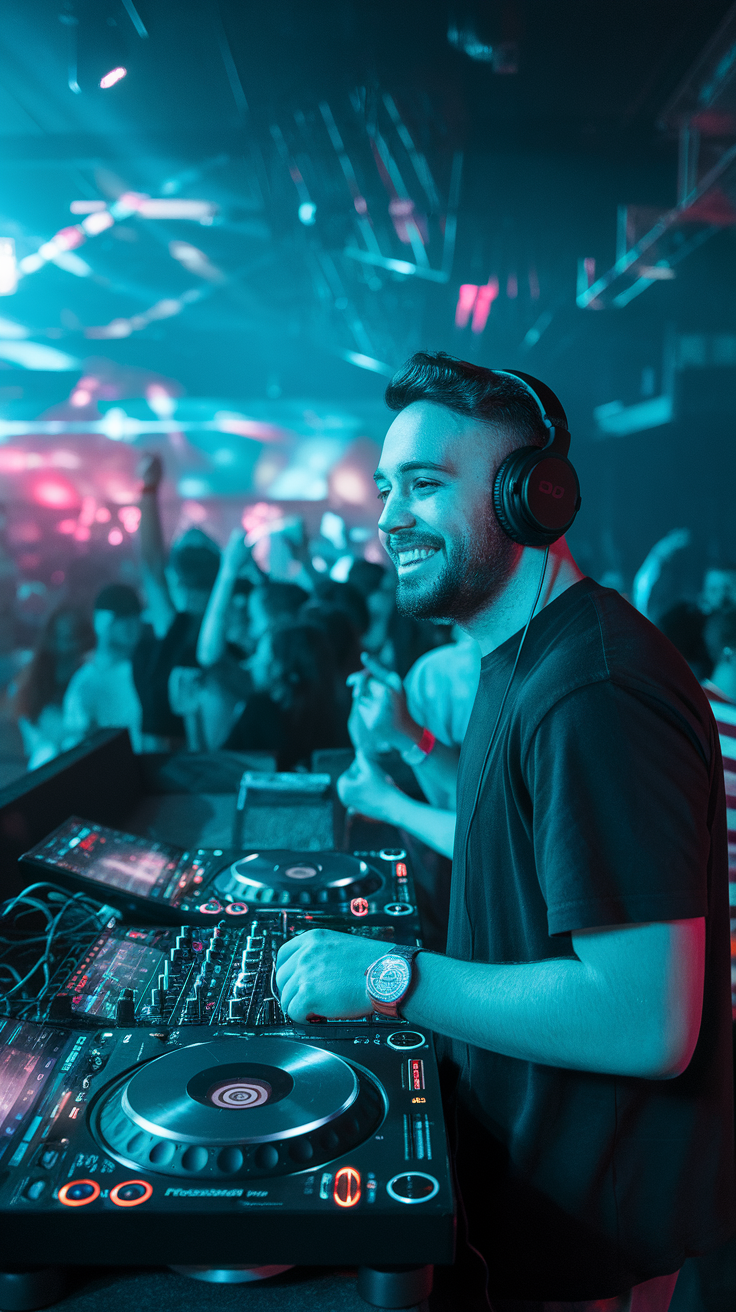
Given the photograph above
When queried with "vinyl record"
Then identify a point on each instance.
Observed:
(298, 877)
(232, 1090)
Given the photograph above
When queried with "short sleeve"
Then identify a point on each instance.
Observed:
(620, 794)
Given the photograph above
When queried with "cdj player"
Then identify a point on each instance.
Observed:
(159, 882)
(158, 1106)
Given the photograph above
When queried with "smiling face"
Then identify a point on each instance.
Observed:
(438, 525)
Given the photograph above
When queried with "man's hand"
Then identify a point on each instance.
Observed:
(237, 553)
(365, 788)
(150, 470)
(322, 973)
(380, 716)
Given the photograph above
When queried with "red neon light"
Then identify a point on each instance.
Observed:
(465, 302)
(359, 906)
(347, 1187)
(484, 300)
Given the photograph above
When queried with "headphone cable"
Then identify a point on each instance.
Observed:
(491, 740)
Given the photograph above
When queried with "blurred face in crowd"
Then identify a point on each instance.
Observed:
(186, 600)
(719, 590)
(260, 664)
(117, 634)
(438, 525)
(65, 637)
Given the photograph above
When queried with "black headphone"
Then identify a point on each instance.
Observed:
(536, 493)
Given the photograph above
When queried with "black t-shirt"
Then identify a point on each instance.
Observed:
(153, 660)
(603, 804)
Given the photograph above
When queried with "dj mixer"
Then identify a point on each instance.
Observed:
(157, 1106)
(162, 883)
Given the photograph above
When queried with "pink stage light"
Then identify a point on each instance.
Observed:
(80, 397)
(350, 486)
(103, 516)
(512, 287)
(465, 302)
(67, 526)
(57, 578)
(87, 514)
(483, 302)
(130, 518)
(115, 75)
(81, 533)
(55, 495)
(12, 461)
(114, 537)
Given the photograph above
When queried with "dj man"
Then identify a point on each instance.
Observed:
(584, 997)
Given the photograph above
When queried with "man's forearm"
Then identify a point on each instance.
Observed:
(211, 643)
(434, 827)
(555, 1013)
(150, 534)
(437, 775)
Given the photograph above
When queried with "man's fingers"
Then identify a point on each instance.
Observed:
(389, 678)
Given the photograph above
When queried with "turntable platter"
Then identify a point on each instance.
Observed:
(231, 1089)
(240, 1106)
(298, 877)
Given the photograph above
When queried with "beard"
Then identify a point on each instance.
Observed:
(476, 569)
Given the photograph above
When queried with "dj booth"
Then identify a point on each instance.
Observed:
(157, 1108)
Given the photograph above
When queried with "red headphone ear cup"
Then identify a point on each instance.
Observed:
(536, 496)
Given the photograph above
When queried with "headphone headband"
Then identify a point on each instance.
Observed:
(550, 408)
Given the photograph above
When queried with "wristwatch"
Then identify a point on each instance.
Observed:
(388, 980)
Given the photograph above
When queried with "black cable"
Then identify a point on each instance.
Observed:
(491, 740)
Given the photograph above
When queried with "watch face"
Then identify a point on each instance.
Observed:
(388, 978)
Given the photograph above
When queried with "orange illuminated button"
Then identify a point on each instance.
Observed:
(359, 906)
(401, 871)
(346, 1192)
(131, 1193)
(77, 1193)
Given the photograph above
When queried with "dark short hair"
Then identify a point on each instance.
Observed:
(683, 624)
(470, 390)
(196, 567)
(120, 599)
(367, 576)
(719, 632)
(280, 599)
(345, 597)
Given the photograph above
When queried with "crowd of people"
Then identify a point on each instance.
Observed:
(210, 652)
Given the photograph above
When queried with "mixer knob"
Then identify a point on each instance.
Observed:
(125, 1009)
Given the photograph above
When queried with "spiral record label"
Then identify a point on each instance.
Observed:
(232, 1090)
(239, 1093)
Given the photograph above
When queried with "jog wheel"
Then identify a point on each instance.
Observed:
(281, 878)
(237, 1108)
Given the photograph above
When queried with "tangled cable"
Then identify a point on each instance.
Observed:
(65, 915)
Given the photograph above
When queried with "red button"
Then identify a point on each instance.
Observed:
(359, 906)
(347, 1187)
(77, 1193)
(401, 870)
